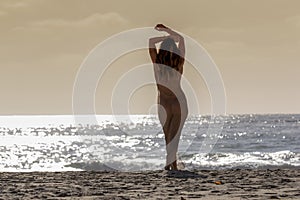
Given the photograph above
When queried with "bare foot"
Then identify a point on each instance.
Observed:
(168, 167)
(174, 166)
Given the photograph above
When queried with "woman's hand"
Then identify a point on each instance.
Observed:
(161, 27)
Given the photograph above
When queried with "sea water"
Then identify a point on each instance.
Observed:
(136, 142)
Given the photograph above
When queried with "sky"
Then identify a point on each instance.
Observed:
(254, 43)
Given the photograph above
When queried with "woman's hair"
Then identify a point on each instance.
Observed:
(169, 54)
(169, 58)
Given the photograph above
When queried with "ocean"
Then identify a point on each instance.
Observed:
(136, 142)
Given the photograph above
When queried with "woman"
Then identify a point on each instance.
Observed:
(168, 68)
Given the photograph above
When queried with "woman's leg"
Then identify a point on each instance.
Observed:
(177, 122)
(165, 117)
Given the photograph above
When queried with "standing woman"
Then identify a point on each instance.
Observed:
(168, 68)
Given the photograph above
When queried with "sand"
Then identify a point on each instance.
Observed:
(202, 184)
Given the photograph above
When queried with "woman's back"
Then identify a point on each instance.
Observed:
(168, 80)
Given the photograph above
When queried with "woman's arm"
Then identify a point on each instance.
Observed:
(152, 48)
(180, 39)
(176, 36)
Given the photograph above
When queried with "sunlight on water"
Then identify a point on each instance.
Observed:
(56, 143)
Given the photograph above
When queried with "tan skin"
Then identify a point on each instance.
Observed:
(173, 110)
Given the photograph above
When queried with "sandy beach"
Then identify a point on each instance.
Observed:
(201, 184)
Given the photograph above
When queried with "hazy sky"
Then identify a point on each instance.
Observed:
(255, 44)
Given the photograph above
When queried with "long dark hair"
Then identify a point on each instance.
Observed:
(169, 54)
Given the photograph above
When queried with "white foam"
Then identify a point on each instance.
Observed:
(248, 159)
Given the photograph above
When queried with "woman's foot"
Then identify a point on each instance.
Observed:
(168, 167)
(172, 166)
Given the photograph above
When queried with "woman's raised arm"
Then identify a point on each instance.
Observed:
(180, 39)
(176, 36)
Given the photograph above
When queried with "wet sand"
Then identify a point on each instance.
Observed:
(202, 184)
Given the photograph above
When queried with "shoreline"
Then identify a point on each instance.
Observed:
(158, 184)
